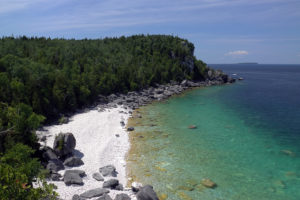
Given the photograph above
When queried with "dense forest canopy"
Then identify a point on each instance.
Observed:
(57, 75)
(42, 77)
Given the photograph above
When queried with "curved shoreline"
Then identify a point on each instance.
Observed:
(96, 133)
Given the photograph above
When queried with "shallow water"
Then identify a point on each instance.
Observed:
(247, 138)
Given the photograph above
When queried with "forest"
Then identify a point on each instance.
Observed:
(42, 78)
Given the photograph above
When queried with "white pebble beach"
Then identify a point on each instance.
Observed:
(96, 142)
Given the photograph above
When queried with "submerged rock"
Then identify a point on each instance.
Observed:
(130, 129)
(288, 152)
(192, 127)
(163, 197)
(186, 188)
(208, 183)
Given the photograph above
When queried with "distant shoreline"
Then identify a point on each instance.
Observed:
(248, 63)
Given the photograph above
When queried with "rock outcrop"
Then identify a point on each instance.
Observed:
(64, 144)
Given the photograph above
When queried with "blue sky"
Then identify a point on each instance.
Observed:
(223, 31)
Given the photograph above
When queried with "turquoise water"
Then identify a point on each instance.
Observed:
(247, 139)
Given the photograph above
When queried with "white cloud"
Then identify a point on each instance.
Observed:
(237, 53)
(14, 5)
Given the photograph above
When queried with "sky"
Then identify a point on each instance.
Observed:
(223, 31)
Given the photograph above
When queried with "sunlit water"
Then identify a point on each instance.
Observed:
(247, 139)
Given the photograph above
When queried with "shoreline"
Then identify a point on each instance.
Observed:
(102, 136)
(97, 145)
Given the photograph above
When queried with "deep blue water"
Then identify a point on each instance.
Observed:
(272, 93)
(247, 138)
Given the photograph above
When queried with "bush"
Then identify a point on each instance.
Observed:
(18, 170)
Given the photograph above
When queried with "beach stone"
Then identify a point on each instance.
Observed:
(135, 186)
(43, 138)
(72, 178)
(98, 176)
(104, 197)
(111, 183)
(146, 193)
(101, 109)
(49, 154)
(184, 82)
(55, 176)
(208, 183)
(122, 197)
(73, 162)
(108, 170)
(64, 144)
(81, 173)
(94, 193)
(119, 187)
(130, 129)
(77, 197)
(55, 165)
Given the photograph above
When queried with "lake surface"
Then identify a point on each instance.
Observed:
(247, 138)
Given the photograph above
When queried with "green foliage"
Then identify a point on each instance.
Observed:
(55, 76)
(63, 120)
(17, 171)
(60, 138)
(21, 121)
